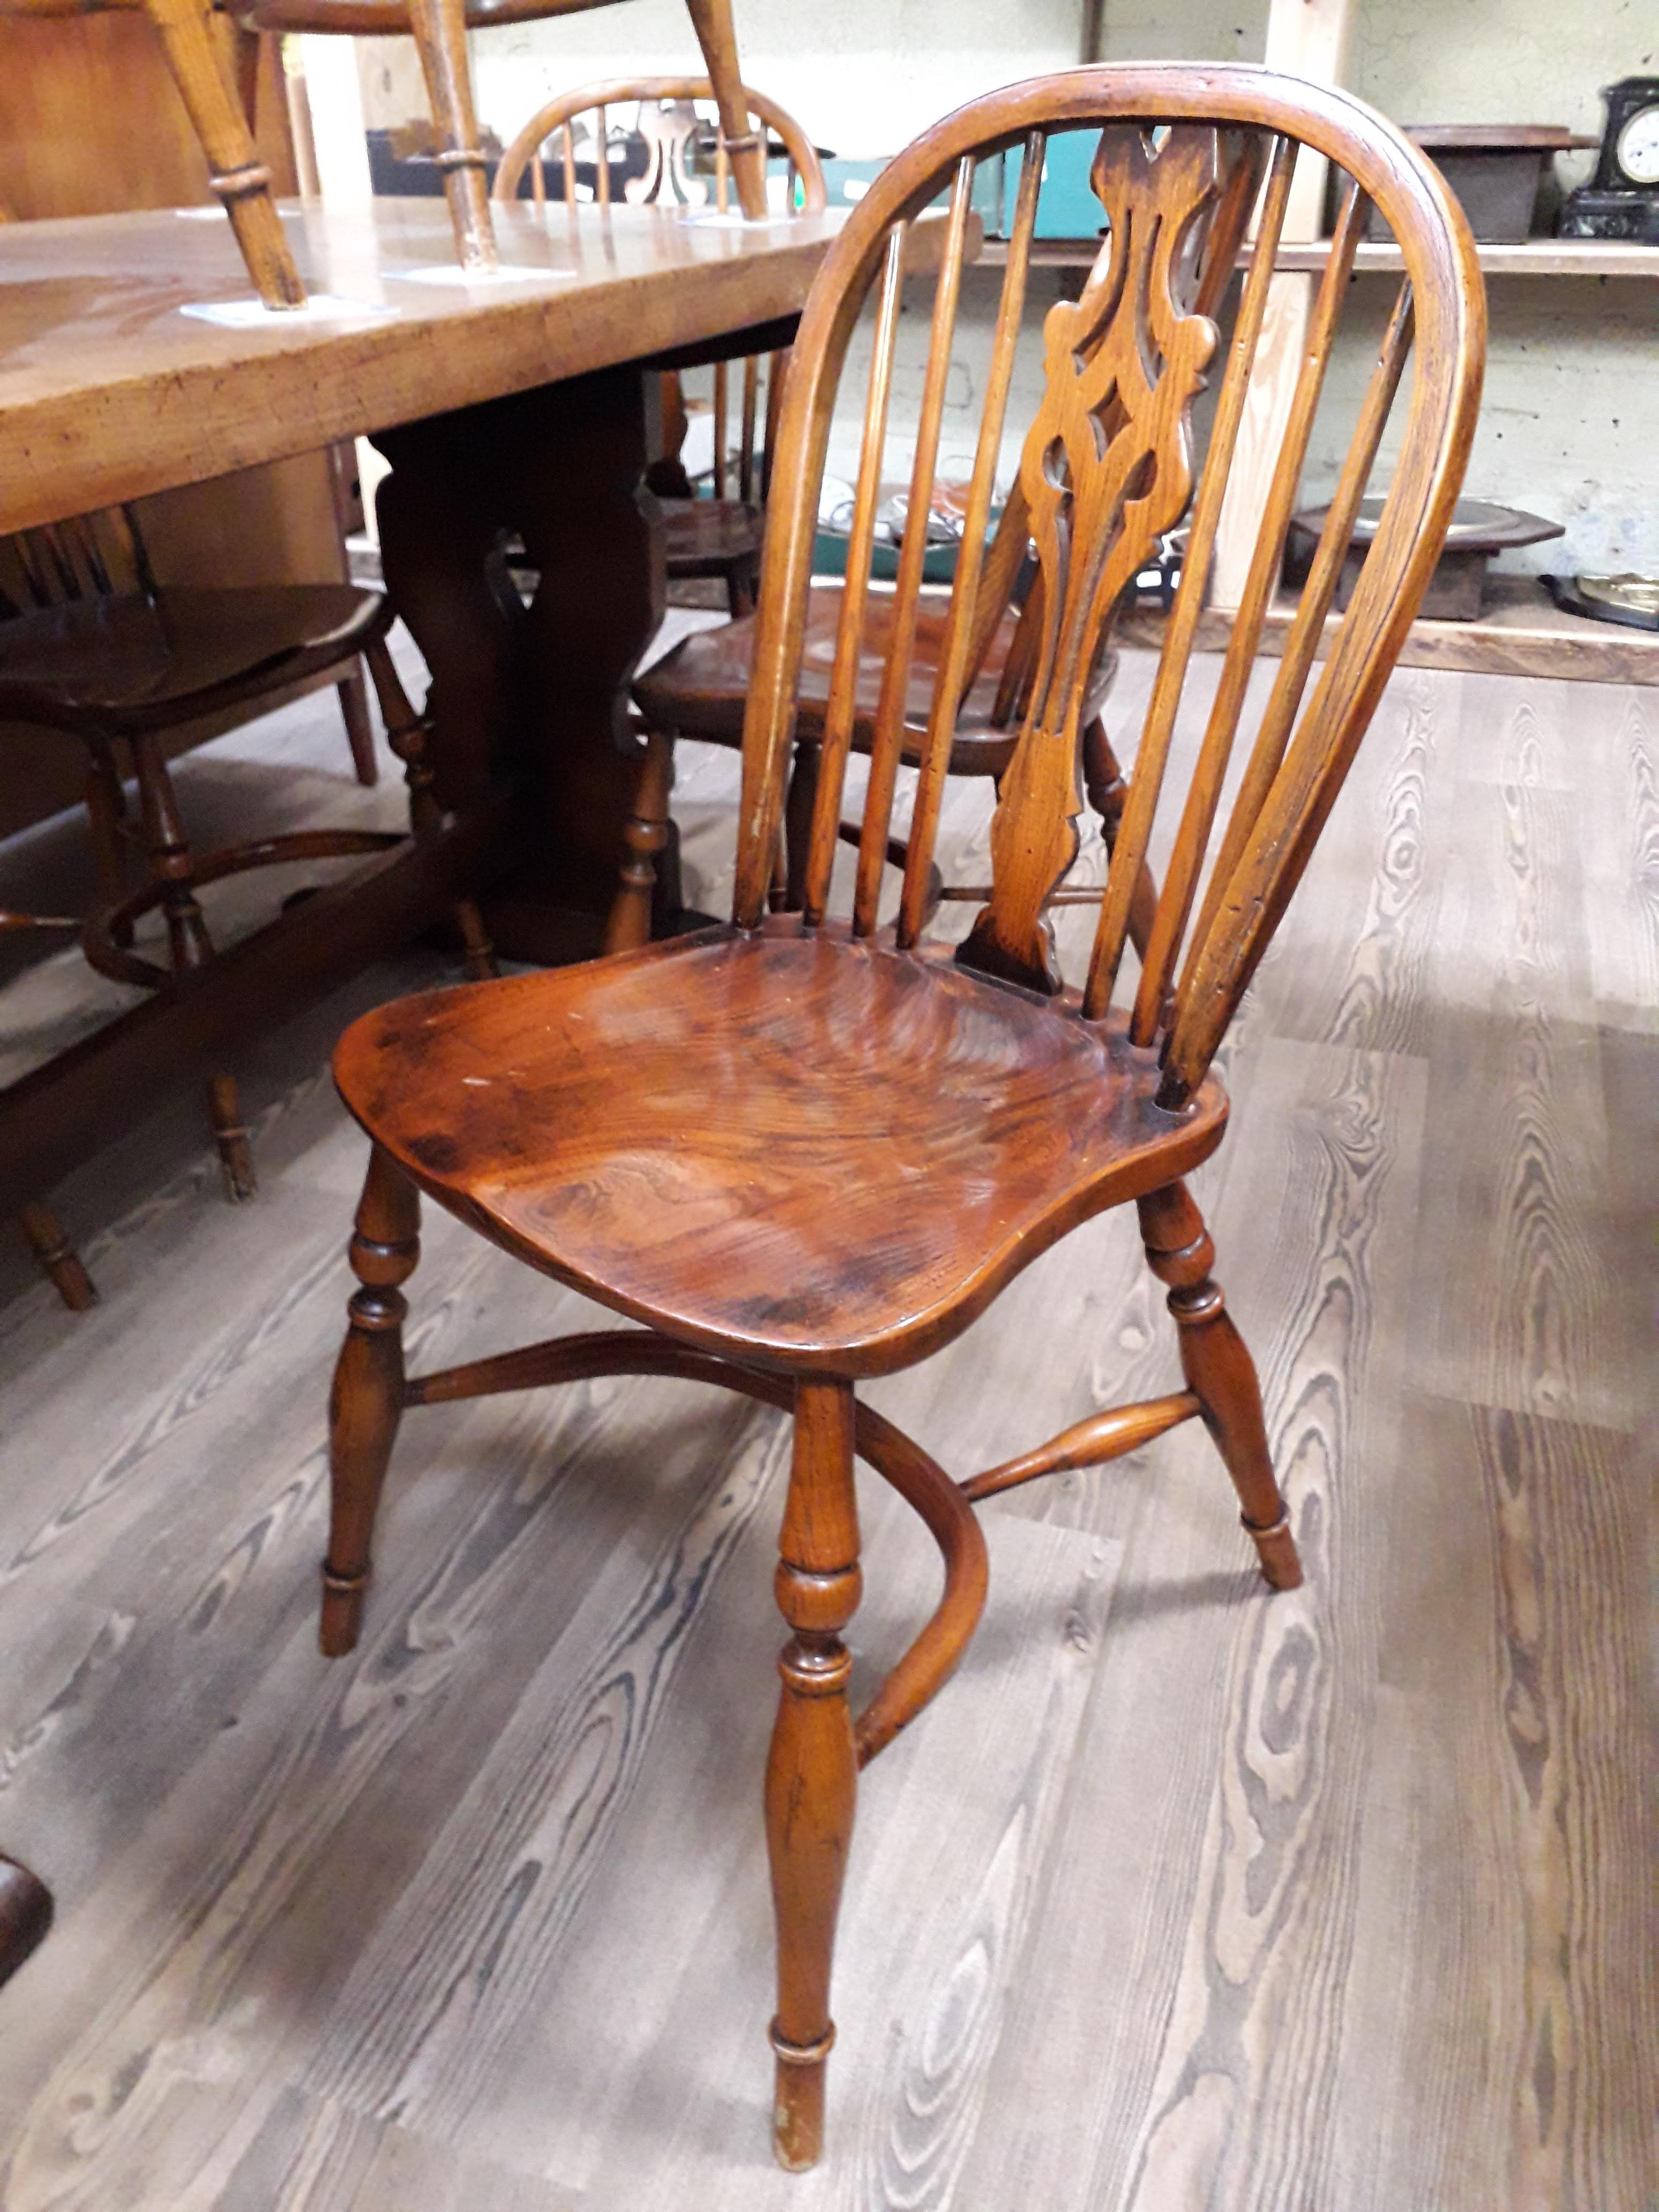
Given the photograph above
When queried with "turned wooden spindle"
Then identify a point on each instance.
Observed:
(813, 1771)
(1219, 1372)
(235, 172)
(645, 833)
(367, 1396)
(439, 29)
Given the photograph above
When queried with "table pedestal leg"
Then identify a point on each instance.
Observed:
(535, 694)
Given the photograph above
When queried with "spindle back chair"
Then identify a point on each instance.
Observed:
(92, 646)
(804, 1151)
(722, 536)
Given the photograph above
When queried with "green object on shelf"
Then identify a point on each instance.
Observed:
(830, 559)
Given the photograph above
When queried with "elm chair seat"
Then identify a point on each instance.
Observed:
(995, 1129)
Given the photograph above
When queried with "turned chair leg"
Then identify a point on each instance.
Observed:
(360, 729)
(107, 809)
(811, 1771)
(58, 1258)
(799, 804)
(1220, 1372)
(367, 1396)
(406, 731)
(1103, 780)
(645, 834)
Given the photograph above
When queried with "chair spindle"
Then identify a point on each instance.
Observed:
(860, 549)
(887, 734)
(950, 688)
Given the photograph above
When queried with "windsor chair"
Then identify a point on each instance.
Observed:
(703, 537)
(91, 646)
(805, 1151)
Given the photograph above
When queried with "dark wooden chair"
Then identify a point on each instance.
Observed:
(720, 536)
(803, 1151)
(90, 645)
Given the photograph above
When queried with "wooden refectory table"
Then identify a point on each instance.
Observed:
(517, 404)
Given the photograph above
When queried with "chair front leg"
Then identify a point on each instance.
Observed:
(1220, 1372)
(812, 1772)
(367, 1397)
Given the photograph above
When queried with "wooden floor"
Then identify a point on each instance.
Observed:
(1182, 1898)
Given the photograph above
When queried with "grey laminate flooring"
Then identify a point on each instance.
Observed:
(1182, 1896)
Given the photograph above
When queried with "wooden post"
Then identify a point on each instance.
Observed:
(1309, 38)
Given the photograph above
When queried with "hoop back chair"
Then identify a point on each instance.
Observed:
(805, 1150)
(719, 536)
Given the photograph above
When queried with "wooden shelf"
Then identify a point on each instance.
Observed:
(1533, 256)
(1521, 633)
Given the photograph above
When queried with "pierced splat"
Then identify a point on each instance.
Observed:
(1106, 470)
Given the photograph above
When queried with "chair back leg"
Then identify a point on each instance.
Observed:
(360, 729)
(1220, 1373)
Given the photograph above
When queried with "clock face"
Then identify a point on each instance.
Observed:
(1637, 150)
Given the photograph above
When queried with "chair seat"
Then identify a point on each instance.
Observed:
(133, 663)
(707, 536)
(700, 690)
(792, 1146)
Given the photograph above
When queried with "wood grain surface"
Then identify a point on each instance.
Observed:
(1182, 1897)
(107, 390)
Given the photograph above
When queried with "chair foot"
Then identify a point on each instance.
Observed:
(797, 2101)
(1220, 1373)
(1281, 1564)
(367, 1397)
(57, 1257)
(230, 1135)
(812, 1772)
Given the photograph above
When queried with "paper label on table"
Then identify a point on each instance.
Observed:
(451, 272)
(254, 315)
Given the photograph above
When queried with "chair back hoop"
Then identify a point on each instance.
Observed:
(666, 178)
(100, 556)
(1193, 169)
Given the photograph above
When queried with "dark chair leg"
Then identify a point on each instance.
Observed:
(1103, 780)
(106, 810)
(367, 1397)
(360, 729)
(230, 1135)
(57, 1257)
(25, 1915)
(1219, 1369)
(645, 834)
(168, 850)
(812, 1770)
(741, 581)
(406, 731)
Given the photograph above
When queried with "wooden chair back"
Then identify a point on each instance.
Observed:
(1193, 169)
(91, 557)
(667, 120)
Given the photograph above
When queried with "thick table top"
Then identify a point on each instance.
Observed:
(108, 391)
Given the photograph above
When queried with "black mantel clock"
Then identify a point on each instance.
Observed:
(1622, 199)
